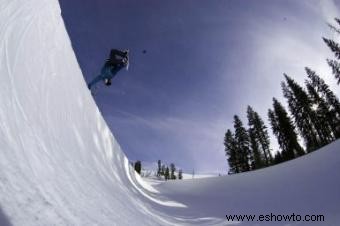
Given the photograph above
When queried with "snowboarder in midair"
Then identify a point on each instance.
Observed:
(118, 60)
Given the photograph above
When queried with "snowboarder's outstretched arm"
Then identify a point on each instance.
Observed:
(94, 81)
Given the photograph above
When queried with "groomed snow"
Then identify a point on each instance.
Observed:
(60, 164)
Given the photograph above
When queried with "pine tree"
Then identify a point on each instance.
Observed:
(167, 173)
(322, 113)
(163, 170)
(284, 130)
(278, 158)
(330, 100)
(335, 65)
(159, 168)
(259, 138)
(242, 143)
(172, 171)
(180, 175)
(256, 161)
(335, 48)
(231, 152)
(305, 118)
(337, 30)
(337, 20)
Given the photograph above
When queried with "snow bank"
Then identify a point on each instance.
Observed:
(59, 163)
(309, 185)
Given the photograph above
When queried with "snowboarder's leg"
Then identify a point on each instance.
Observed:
(103, 74)
(94, 81)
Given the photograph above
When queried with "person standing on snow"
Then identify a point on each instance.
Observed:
(118, 60)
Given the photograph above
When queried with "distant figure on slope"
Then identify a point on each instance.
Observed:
(118, 60)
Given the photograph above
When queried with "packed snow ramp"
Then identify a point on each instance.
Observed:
(60, 164)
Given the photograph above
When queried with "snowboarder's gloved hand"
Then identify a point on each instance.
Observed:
(126, 52)
(125, 61)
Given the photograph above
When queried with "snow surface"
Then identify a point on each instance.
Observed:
(149, 172)
(60, 164)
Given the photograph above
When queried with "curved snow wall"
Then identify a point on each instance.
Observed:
(59, 162)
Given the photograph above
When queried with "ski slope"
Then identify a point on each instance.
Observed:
(60, 164)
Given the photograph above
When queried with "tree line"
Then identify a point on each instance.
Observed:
(314, 115)
(169, 173)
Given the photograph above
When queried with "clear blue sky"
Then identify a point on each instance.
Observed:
(205, 62)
